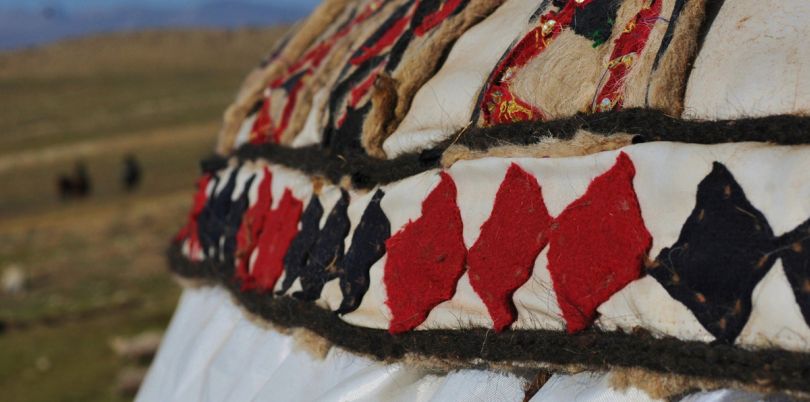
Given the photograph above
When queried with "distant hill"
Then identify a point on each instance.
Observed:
(23, 28)
(122, 84)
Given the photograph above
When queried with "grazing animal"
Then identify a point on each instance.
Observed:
(131, 176)
(76, 185)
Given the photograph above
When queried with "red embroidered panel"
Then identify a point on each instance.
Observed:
(626, 49)
(425, 259)
(597, 245)
(502, 259)
(499, 105)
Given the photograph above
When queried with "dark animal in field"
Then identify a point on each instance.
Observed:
(132, 173)
(76, 185)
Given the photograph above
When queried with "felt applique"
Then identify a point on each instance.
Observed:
(597, 245)
(279, 230)
(190, 231)
(367, 247)
(794, 247)
(327, 251)
(233, 220)
(220, 219)
(502, 259)
(777, 370)
(425, 259)
(725, 248)
(295, 261)
(251, 228)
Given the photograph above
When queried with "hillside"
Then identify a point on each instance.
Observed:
(104, 86)
(94, 267)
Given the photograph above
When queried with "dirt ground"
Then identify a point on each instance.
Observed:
(94, 268)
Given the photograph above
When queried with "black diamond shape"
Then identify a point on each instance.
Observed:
(296, 258)
(326, 252)
(367, 247)
(725, 248)
(220, 219)
(795, 247)
(233, 219)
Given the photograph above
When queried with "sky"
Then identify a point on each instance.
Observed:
(26, 23)
(89, 5)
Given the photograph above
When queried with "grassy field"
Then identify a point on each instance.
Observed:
(95, 267)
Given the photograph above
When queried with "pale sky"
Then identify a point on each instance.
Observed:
(82, 5)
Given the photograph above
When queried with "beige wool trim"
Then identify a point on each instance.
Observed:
(328, 73)
(667, 86)
(638, 77)
(419, 63)
(583, 143)
(664, 87)
(667, 385)
(381, 120)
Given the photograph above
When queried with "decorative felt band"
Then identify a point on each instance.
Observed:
(644, 125)
(591, 349)
(691, 243)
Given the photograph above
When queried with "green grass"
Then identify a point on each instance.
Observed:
(167, 167)
(107, 86)
(96, 267)
(84, 371)
(106, 105)
(96, 272)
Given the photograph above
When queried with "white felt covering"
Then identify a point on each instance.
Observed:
(754, 62)
(213, 352)
(443, 105)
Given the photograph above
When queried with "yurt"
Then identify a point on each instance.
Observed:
(516, 200)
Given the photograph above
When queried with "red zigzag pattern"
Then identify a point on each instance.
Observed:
(596, 247)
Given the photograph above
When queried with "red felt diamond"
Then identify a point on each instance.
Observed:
(502, 258)
(425, 259)
(251, 227)
(597, 245)
(280, 227)
(190, 232)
